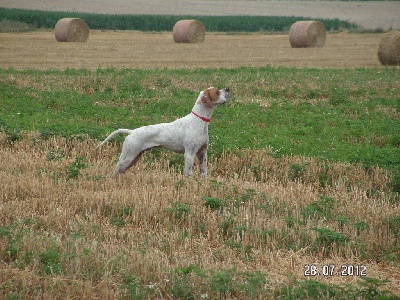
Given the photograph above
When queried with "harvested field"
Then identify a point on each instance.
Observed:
(39, 50)
(84, 235)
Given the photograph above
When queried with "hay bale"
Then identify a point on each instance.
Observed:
(304, 34)
(189, 31)
(389, 49)
(71, 30)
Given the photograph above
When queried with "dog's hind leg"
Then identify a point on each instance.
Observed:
(126, 161)
(130, 154)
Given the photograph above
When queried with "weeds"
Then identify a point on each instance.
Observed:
(296, 171)
(119, 219)
(319, 209)
(342, 220)
(370, 288)
(328, 240)
(50, 262)
(393, 225)
(73, 171)
(13, 134)
(366, 288)
(361, 226)
(181, 284)
(132, 289)
(309, 289)
(238, 284)
(222, 282)
(213, 203)
(55, 154)
(227, 227)
(179, 210)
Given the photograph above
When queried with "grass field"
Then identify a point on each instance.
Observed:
(303, 172)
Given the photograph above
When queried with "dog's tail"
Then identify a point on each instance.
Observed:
(126, 131)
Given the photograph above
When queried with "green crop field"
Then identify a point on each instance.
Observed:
(46, 19)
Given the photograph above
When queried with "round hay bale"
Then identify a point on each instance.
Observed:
(189, 31)
(71, 30)
(304, 34)
(389, 49)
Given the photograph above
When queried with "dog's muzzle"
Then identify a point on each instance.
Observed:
(227, 93)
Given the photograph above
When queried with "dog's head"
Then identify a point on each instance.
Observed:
(213, 96)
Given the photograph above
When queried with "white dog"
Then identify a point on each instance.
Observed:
(188, 135)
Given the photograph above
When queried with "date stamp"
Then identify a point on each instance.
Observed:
(333, 270)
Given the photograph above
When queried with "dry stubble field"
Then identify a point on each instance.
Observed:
(39, 50)
(105, 229)
(138, 225)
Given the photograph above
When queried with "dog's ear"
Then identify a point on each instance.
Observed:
(213, 94)
(206, 100)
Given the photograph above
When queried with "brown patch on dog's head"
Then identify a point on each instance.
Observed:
(210, 95)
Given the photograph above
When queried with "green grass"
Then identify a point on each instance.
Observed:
(340, 115)
(46, 19)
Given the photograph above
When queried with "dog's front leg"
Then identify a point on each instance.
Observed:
(189, 161)
(202, 157)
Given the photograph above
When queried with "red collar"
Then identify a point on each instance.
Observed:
(202, 118)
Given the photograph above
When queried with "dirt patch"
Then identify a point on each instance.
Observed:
(39, 50)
